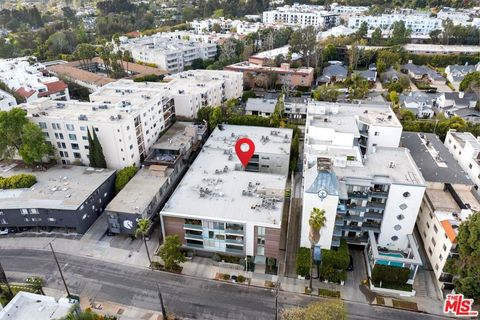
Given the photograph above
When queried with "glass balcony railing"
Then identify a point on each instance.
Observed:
(233, 231)
(234, 250)
(234, 241)
(192, 226)
(371, 226)
(193, 236)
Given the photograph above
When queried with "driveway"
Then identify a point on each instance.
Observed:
(351, 290)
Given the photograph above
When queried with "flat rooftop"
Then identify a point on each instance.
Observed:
(433, 159)
(246, 66)
(59, 187)
(215, 188)
(28, 306)
(386, 165)
(137, 194)
(342, 116)
(464, 137)
(272, 54)
(175, 137)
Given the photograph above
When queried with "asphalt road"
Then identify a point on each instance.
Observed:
(186, 297)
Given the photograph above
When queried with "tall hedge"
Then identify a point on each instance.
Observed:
(389, 275)
(304, 259)
(123, 177)
(18, 181)
(339, 259)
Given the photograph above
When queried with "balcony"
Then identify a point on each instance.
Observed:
(352, 228)
(357, 240)
(364, 133)
(234, 251)
(358, 195)
(234, 231)
(342, 208)
(375, 205)
(379, 194)
(194, 246)
(354, 207)
(339, 222)
(375, 227)
(337, 232)
(353, 217)
(234, 242)
(335, 242)
(192, 226)
(193, 236)
(373, 215)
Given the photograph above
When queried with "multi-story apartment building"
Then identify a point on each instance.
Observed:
(148, 190)
(420, 24)
(26, 77)
(465, 148)
(195, 89)
(219, 206)
(168, 53)
(362, 186)
(369, 199)
(126, 116)
(302, 16)
(448, 200)
(7, 101)
(64, 198)
(206, 25)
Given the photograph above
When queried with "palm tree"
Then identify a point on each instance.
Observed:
(143, 225)
(316, 222)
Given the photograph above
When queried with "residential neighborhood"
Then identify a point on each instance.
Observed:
(239, 159)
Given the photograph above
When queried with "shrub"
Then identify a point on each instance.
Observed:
(328, 293)
(241, 279)
(18, 181)
(338, 259)
(226, 276)
(149, 78)
(123, 177)
(389, 275)
(303, 261)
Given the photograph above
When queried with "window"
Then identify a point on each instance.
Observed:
(377, 133)
(77, 155)
(70, 127)
(75, 146)
(397, 227)
(72, 137)
(84, 138)
(454, 147)
(428, 225)
(444, 247)
(435, 228)
(394, 238)
(403, 206)
(82, 128)
(424, 234)
(434, 242)
(400, 217)
(24, 211)
(440, 257)
(430, 250)
(42, 125)
(406, 194)
(436, 266)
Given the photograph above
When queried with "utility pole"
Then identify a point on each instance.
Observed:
(60, 269)
(164, 313)
(277, 287)
(3, 279)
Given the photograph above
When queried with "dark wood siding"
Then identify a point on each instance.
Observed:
(272, 242)
(174, 225)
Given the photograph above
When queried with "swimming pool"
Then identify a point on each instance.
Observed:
(390, 263)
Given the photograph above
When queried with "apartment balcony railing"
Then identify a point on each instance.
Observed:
(375, 205)
(353, 217)
(232, 231)
(192, 226)
(339, 222)
(342, 208)
(354, 207)
(351, 228)
(234, 251)
(379, 194)
(357, 240)
(335, 242)
(193, 236)
(358, 195)
(364, 133)
(193, 245)
(337, 232)
(373, 215)
(375, 227)
(234, 241)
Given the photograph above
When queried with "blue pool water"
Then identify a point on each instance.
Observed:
(390, 263)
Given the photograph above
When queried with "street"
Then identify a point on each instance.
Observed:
(187, 297)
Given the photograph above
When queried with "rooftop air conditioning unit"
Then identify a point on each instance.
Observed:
(391, 164)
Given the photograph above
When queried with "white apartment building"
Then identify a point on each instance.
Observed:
(206, 25)
(7, 101)
(219, 206)
(420, 24)
(448, 201)
(465, 148)
(26, 77)
(302, 15)
(348, 10)
(166, 52)
(195, 89)
(126, 116)
(376, 189)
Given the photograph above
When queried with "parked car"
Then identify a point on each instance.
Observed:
(3, 231)
(350, 264)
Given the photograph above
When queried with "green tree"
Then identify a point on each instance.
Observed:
(91, 150)
(400, 33)
(359, 87)
(36, 284)
(325, 93)
(98, 152)
(123, 177)
(471, 82)
(11, 128)
(61, 42)
(466, 268)
(143, 227)
(321, 310)
(215, 118)
(316, 222)
(217, 28)
(303, 42)
(170, 252)
(34, 147)
(376, 39)
(85, 53)
(393, 95)
(362, 31)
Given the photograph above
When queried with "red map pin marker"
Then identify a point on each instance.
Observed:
(244, 149)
